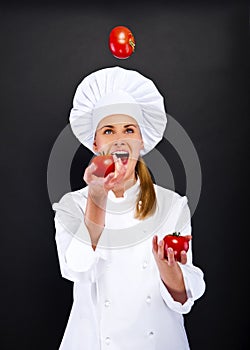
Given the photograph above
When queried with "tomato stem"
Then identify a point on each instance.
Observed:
(176, 234)
(131, 43)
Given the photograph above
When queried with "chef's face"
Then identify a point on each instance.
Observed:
(119, 134)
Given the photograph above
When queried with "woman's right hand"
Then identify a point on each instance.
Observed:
(99, 186)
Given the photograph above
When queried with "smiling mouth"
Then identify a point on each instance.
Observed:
(124, 156)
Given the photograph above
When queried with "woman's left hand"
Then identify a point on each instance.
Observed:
(169, 269)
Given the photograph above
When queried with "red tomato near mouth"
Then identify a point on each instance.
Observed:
(177, 242)
(121, 42)
(105, 165)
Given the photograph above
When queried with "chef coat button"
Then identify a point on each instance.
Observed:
(151, 334)
(107, 303)
(107, 340)
(145, 264)
(148, 299)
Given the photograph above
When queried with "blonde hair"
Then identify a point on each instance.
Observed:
(146, 201)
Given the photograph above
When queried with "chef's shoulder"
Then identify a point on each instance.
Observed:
(75, 198)
(165, 194)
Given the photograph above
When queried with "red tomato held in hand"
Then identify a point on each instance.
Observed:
(177, 242)
(121, 42)
(105, 165)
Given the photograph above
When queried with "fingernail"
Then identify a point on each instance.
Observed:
(92, 165)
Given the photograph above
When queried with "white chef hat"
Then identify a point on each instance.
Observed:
(116, 90)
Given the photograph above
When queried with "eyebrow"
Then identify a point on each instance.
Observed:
(112, 126)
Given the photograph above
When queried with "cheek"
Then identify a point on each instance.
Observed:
(102, 145)
(136, 146)
(97, 144)
(137, 143)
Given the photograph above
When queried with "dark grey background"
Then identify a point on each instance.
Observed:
(197, 53)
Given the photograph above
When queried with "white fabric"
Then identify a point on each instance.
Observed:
(116, 90)
(117, 102)
(120, 302)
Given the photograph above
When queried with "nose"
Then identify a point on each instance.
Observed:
(119, 143)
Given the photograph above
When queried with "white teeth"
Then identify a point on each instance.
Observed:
(121, 154)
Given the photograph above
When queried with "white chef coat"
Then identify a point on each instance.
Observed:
(119, 300)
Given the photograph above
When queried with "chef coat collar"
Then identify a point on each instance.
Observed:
(118, 205)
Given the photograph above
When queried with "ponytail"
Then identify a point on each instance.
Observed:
(146, 201)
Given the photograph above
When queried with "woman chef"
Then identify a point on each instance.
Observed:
(127, 296)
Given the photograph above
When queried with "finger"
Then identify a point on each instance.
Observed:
(188, 237)
(119, 166)
(92, 167)
(161, 250)
(89, 172)
(183, 257)
(118, 163)
(115, 158)
(120, 170)
(108, 178)
(171, 259)
(155, 245)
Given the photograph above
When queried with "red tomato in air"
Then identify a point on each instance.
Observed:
(121, 42)
(105, 165)
(177, 242)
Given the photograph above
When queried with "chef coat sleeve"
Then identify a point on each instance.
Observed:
(78, 261)
(192, 275)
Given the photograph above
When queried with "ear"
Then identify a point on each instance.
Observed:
(94, 146)
(142, 145)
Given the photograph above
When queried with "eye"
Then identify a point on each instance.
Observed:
(129, 131)
(108, 132)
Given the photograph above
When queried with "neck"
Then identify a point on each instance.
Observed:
(120, 188)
